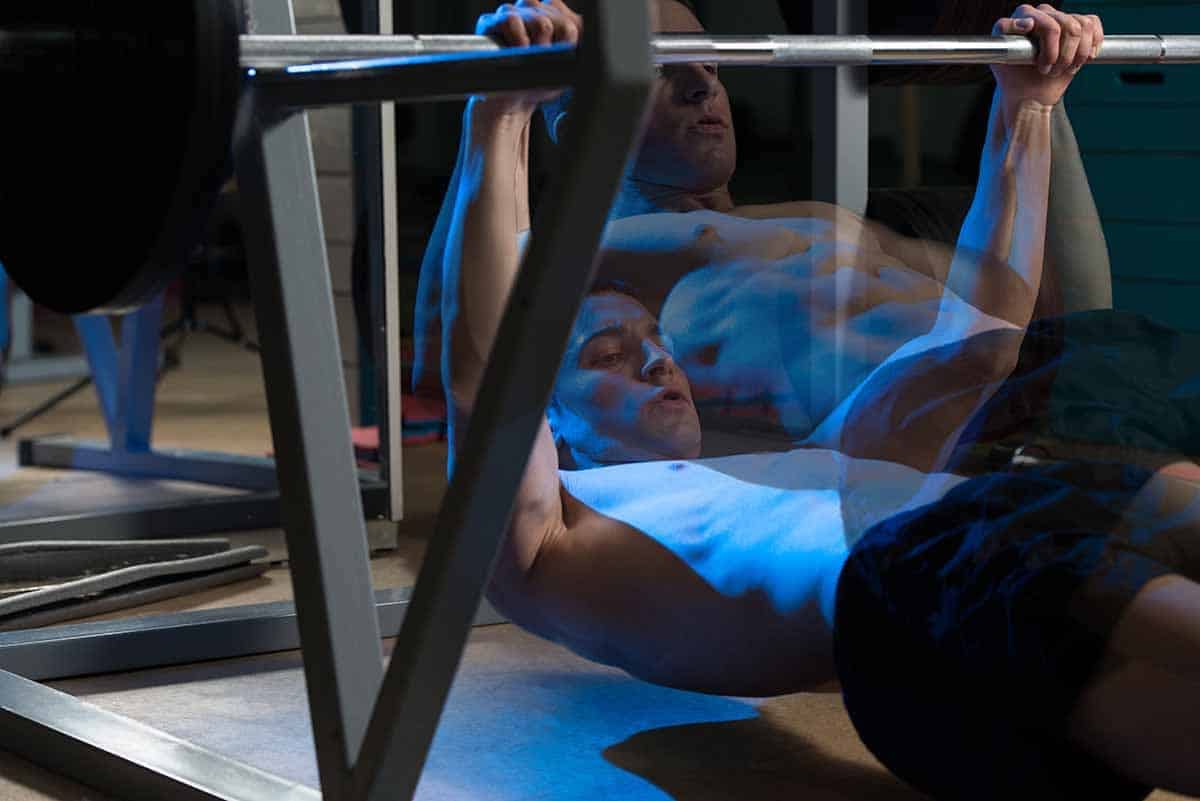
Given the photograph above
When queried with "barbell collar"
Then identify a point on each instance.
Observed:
(274, 53)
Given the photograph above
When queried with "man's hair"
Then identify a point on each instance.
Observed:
(554, 113)
(690, 6)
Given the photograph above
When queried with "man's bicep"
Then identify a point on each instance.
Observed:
(614, 595)
(536, 518)
(913, 410)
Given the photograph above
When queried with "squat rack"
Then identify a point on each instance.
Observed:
(372, 729)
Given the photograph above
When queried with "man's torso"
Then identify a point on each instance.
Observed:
(766, 533)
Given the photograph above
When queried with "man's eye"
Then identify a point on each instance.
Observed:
(609, 360)
(711, 69)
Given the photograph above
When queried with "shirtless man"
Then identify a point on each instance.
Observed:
(728, 575)
(675, 215)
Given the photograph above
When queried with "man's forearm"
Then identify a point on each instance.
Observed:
(481, 264)
(999, 257)
(427, 323)
(481, 256)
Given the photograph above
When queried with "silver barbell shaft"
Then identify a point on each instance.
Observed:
(267, 52)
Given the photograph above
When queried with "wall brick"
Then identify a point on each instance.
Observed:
(320, 26)
(340, 267)
(332, 147)
(337, 208)
(348, 340)
(347, 329)
(308, 9)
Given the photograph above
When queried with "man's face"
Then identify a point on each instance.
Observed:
(620, 397)
(688, 142)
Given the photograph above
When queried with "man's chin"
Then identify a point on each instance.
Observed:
(683, 443)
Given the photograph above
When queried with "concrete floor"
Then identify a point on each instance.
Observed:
(526, 719)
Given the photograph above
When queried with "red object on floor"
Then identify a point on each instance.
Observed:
(423, 421)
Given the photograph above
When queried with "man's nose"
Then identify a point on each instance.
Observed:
(658, 362)
(698, 82)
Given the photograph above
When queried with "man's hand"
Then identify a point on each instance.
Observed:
(1065, 43)
(523, 24)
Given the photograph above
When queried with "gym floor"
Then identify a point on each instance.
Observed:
(526, 719)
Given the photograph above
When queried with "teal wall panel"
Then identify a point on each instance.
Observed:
(1176, 305)
(1147, 129)
(1130, 16)
(1145, 187)
(1149, 252)
(1135, 84)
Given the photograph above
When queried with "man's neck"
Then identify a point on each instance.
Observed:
(642, 197)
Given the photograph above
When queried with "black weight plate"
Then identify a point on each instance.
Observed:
(115, 142)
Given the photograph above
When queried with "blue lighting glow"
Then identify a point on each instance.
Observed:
(412, 61)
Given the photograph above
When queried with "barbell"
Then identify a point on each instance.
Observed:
(267, 52)
(120, 117)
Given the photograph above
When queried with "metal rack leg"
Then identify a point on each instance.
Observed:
(310, 425)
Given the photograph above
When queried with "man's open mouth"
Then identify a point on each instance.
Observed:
(671, 397)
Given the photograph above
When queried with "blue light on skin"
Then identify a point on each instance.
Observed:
(619, 396)
(800, 532)
(798, 333)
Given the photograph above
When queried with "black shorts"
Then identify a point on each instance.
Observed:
(1104, 378)
(966, 629)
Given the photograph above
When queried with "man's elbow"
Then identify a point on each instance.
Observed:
(994, 359)
(1018, 302)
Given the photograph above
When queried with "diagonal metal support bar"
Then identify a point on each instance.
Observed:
(321, 511)
(131, 760)
(310, 424)
(614, 83)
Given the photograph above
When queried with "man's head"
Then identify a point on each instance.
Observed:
(688, 143)
(619, 396)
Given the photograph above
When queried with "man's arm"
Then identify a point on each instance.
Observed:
(999, 257)
(608, 591)
(913, 408)
(480, 264)
(990, 266)
(915, 412)
(427, 322)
